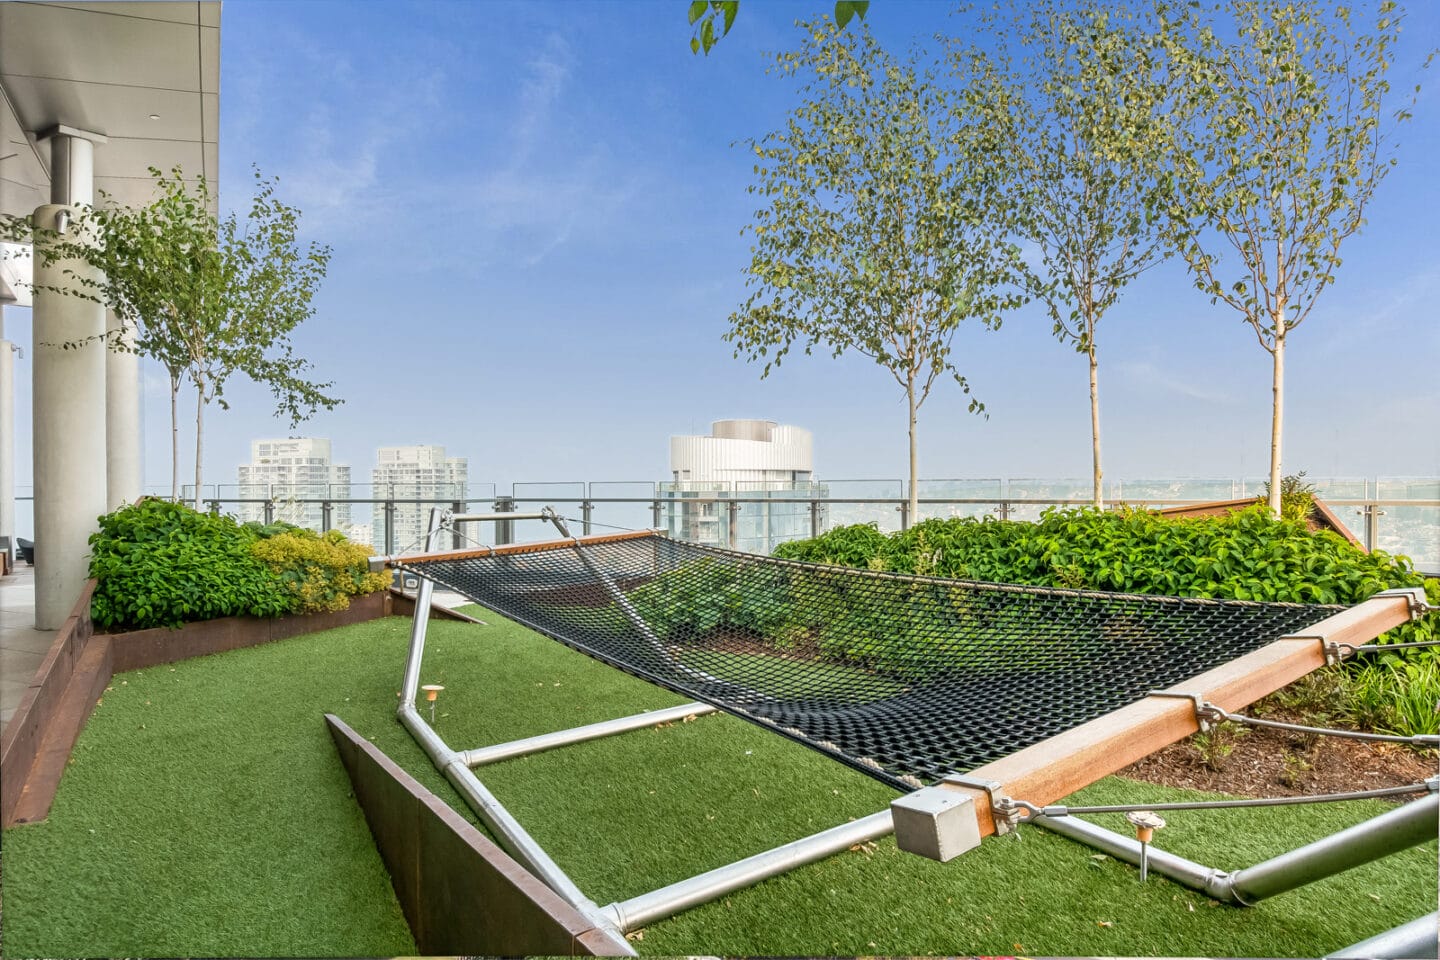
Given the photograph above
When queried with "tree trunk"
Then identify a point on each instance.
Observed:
(1277, 416)
(913, 514)
(174, 439)
(199, 437)
(1095, 424)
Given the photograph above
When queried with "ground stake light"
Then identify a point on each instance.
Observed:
(432, 691)
(1146, 823)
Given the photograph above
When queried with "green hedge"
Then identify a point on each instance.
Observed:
(1246, 555)
(162, 564)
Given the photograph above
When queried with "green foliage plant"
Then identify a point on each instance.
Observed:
(876, 234)
(161, 564)
(1297, 498)
(319, 572)
(1397, 696)
(1246, 555)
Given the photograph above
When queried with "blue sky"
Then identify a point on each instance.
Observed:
(536, 215)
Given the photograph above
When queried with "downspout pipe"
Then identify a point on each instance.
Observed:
(1390, 832)
(1416, 940)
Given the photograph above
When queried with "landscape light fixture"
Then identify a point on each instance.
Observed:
(1146, 823)
(432, 690)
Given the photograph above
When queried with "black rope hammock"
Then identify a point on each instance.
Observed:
(906, 679)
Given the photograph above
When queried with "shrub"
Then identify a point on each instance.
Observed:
(1247, 555)
(1398, 697)
(317, 573)
(160, 564)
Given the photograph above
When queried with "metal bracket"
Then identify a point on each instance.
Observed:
(1416, 595)
(1336, 652)
(1206, 712)
(1005, 814)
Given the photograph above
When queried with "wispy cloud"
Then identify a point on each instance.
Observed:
(1144, 373)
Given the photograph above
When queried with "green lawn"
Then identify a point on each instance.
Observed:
(206, 813)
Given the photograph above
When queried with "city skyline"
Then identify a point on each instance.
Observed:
(559, 318)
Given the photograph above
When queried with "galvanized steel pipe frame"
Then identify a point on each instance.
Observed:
(1390, 832)
(480, 756)
(656, 905)
(1417, 939)
(634, 913)
(513, 837)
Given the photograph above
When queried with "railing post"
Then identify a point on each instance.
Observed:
(269, 511)
(904, 509)
(457, 539)
(587, 512)
(655, 514)
(732, 524)
(504, 529)
(1372, 513)
(389, 508)
(325, 516)
(814, 518)
(215, 507)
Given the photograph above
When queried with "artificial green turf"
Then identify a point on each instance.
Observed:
(222, 825)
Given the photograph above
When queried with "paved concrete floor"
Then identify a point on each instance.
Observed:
(22, 647)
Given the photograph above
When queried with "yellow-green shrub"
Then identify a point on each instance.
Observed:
(320, 573)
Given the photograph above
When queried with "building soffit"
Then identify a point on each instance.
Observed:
(146, 75)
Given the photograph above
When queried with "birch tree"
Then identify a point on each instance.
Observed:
(873, 236)
(1075, 101)
(1288, 138)
(205, 297)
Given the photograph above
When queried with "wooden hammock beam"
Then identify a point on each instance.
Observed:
(1047, 771)
(420, 559)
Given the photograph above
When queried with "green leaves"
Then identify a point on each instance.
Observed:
(703, 13)
(162, 564)
(873, 235)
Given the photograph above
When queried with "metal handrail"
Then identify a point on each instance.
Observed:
(1005, 506)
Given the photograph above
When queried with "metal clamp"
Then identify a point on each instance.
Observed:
(1003, 810)
(1336, 652)
(1206, 712)
(1415, 595)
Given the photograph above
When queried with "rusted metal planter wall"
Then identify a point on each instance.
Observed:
(461, 894)
(38, 739)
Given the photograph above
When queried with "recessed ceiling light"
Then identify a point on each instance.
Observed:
(154, 116)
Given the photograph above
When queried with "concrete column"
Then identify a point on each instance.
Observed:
(69, 395)
(7, 434)
(122, 416)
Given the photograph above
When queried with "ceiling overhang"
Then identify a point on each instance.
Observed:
(144, 75)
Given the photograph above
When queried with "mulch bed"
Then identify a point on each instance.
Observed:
(1275, 763)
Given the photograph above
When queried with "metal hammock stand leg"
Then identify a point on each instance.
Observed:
(879, 671)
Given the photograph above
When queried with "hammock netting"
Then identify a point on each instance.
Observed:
(907, 679)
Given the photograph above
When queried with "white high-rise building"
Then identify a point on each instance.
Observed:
(744, 460)
(744, 451)
(292, 470)
(415, 473)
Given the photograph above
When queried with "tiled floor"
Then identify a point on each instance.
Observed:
(22, 647)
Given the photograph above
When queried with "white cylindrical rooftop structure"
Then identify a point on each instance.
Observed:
(743, 450)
